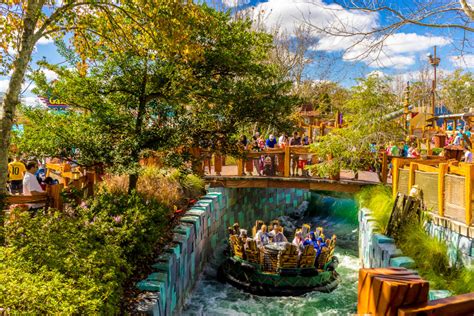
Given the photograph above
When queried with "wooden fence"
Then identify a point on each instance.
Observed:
(446, 185)
(67, 177)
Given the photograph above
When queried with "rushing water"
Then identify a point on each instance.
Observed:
(211, 297)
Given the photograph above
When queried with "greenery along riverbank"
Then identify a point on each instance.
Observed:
(429, 253)
(78, 261)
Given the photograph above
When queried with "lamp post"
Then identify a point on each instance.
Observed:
(434, 61)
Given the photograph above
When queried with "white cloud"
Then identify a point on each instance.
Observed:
(4, 85)
(50, 75)
(30, 101)
(397, 50)
(234, 3)
(464, 61)
(44, 41)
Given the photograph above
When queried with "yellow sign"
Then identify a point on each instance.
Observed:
(54, 101)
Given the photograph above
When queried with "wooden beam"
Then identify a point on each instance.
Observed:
(395, 176)
(411, 175)
(468, 192)
(287, 161)
(442, 170)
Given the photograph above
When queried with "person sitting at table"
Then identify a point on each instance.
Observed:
(257, 227)
(279, 236)
(262, 236)
(308, 240)
(243, 236)
(236, 228)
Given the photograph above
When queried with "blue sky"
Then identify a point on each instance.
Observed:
(403, 53)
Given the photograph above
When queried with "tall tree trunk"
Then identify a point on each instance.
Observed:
(12, 96)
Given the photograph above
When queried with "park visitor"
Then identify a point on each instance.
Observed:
(271, 142)
(467, 155)
(31, 185)
(16, 171)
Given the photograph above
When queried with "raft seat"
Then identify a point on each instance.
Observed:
(252, 252)
(323, 257)
(307, 257)
(237, 247)
(288, 258)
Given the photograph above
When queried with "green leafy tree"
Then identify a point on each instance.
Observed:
(145, 95)
(457, 91)
(356, 146)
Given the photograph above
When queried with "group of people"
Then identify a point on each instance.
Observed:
(265, 165)
(27, 177)
(403, 149)
(303, 236)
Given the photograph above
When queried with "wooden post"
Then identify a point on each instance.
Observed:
(240, 167)
(395, 175)
(468, 168)
(218, 164)
(411, 175)
(287, 161)
(428, 145)
(90, 175)
(384, 167)
(54, 192)
(442, 170)
(310, 132)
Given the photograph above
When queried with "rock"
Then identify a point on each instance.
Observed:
(288, 224)
(299, 212)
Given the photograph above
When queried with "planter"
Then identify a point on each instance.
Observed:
(439, 140)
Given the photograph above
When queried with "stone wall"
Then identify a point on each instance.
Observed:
(457, 236)
(198, 236)
(377, 250)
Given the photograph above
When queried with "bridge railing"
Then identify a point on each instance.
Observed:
(283, 161)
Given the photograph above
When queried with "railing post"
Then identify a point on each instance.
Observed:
(428, 145)
(442, 170)
(287, 161)
(218, 164)
(468, 192)
(411, 175)
(395, 175)
(384, 167)
(240, 167)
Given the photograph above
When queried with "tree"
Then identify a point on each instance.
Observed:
(368, 40)
(356, 146)
(457, 91)
(23, 24)
(144, 93)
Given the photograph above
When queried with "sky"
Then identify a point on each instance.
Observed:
(403, 53)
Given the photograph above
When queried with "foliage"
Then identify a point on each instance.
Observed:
(457, 91)
(378, 199)
(145, 96)
(430, 254)
(356, 147)
(77, 262)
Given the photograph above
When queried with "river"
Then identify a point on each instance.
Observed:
(211, 297)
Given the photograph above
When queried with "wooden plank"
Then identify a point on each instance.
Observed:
(287, 161)
(454, 305)
(443, 168)
(299, 150)
(468, 171)
(395, 176)
(411, 175)
(24, 199)
(427, 168)
(460, 171)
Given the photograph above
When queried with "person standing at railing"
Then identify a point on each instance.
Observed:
(282, 140)
(255, 146)
(467, 156)
(16, 171)
(295, 141)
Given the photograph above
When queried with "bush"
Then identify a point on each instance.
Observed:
(78, 262)
(379, 200)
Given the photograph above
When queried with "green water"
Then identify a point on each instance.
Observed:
(336, 214)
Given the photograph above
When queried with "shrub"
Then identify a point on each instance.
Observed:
(379, 200)
(77, 263)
